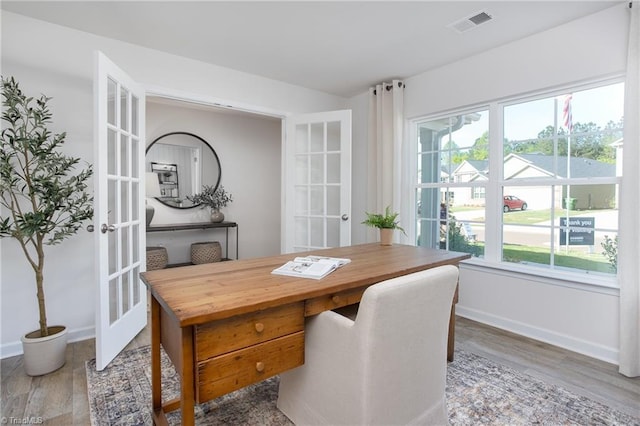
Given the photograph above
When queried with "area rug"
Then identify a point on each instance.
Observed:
(479, 391)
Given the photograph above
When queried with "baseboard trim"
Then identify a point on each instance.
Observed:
(15, 348)
(580, 346)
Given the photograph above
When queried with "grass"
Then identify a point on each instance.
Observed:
(527, 217)
(577, 260)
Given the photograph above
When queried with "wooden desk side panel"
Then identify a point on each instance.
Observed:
(229, 372)
(170, 338)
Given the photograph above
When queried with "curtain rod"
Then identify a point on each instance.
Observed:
(390, 86)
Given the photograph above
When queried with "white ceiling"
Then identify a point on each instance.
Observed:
(337, 47)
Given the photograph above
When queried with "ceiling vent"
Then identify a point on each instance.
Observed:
(470, 22)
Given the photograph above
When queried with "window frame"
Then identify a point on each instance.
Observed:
(494, 185)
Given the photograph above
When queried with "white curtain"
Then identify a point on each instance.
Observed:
(386, 122)
(629, 235)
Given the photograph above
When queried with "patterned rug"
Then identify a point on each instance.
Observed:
(479, 391)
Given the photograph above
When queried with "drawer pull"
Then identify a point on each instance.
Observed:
(259, 366)
(259, 327)
(336, 299)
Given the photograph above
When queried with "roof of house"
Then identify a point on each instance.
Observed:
(580, 167)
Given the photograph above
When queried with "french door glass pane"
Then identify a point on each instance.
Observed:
(317, 200)
(124, 155)
(113, 299)
(111, 151)
(333, 232)
(112, 88)
(125, 280)
(333, 136)
(302, 169)
(124, 201)
(136, 286)
(124, 109)
(317, 168)
(301, 138)
(133, 154)
(333, 168)
(302, 231)
(333, 201)
(134, 116)
(316, 231)
(317, 137)
(301, 200)
(124, 246)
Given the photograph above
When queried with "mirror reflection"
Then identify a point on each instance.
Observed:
(183, 163)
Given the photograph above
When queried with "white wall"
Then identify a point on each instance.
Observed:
(58, 62)
(567, 314)
(249, 149)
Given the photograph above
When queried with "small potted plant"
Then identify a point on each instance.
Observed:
(214, 198)
(386, 223)
(44, 200)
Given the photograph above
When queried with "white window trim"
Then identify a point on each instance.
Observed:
(493, 213)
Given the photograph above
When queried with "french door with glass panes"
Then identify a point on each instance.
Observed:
(318, 181)
(119, 228)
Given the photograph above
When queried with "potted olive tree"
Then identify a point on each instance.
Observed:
(386, 223)
(43, 201)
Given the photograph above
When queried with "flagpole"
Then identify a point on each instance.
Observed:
(568, 122)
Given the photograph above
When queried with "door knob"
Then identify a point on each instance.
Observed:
(345, 217)
(90, 228)
(104, 228)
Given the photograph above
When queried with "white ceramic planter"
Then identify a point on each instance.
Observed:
(386, 236)
(43, 355)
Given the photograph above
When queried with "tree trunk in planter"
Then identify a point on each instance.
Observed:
(43, 355)
(386, 236)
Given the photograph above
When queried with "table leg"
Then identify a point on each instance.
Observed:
(156, 380)
(187, 386)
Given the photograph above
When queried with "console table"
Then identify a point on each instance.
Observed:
(226, 325)
(202, 225)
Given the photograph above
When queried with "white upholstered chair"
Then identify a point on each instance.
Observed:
(386, 367)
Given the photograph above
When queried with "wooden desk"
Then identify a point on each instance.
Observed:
(227, 325)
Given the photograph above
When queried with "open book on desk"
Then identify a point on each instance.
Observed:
(314, 267)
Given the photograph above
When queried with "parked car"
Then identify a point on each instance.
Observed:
(511, 202)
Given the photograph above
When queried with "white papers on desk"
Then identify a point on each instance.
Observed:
(314, 267)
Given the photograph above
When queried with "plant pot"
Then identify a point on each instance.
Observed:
(386, 236)
(43, 355)
(217, 216)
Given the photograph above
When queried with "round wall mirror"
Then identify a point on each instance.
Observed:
(182, 163)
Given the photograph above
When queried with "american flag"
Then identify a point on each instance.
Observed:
(566, 112)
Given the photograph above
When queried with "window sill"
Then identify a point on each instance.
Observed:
(595, 282)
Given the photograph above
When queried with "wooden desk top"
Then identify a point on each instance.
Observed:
(201, 293)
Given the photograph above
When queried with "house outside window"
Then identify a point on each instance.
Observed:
(549, 168)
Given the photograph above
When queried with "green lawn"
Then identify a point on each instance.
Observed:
(527, 217)
(578, 260)
(573, 259)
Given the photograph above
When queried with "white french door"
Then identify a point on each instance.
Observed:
(119, 228)
(317, 178)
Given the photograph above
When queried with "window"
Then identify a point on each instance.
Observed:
(452, 170)
(553, 180)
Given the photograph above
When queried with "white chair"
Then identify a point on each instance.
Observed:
(388, 367)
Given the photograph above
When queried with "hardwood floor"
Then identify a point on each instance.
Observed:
(60, 398)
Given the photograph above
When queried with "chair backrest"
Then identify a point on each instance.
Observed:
(402, 327)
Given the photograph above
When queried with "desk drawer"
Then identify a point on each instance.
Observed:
(219, 337)
(332, 301)
(226, 373)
